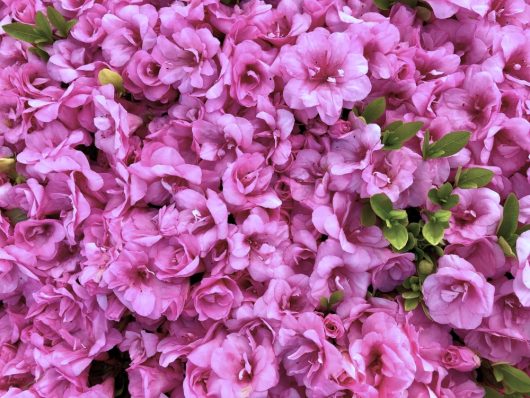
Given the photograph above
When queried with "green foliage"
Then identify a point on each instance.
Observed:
(475, 177)
(41, 34)
(448, 145)
(507, 230)
(396, 137)
(374, 110)
(443, 196)
(514, 380)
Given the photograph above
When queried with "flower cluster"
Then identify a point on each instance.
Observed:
(285, 198)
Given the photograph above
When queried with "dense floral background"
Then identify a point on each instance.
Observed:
(250, 199)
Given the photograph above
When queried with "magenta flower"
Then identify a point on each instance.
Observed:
(325, 78)
(457, 295)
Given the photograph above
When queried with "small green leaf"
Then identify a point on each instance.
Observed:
(411, 243)
(410, 3)
(382, 4)
(442, 216)
(22, 32)
(425, 144)
(397, 215)
(491, 393)
(397, 138)
(510, 217)
(512, 378)
(475, 177)
(397, 235)
(16, 215)
(324, 302)
(448, 145)
(336, 297)
(43, 26)
(433, 232)
(381, 205)
(374, 110)
(39, 52)
(410, 295)
(505, 246)
(394, 125)
(411, 304)
(368, 217)
(445, 190)
(423, 13)
(425, 267)
(451, 202)
(57, 20)
(70, 24)
(414, 228)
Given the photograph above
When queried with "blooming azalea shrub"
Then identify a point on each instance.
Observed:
(285, 198)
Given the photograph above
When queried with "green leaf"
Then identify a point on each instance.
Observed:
(411, 304)
(505, 246)
(381, 205)
(451, 202)
(368, 217)
(442, 216)
(22, 32)
(414, 228)
(475, 177)
(57, 20)
(514, 379)
(423, 13)
(397, 138)
(425, 144)
(382, 4)
(69, 25)
(510, 217)
(410, 3)
(39, 52)
(43, 26)
(374, 110)
(394, 125)
(491, 393)
(336, 297)
(410, 295)
(433, 232)
(448, 145)
(397, 235)
(397, 215)
(16, 215)
(324, 302)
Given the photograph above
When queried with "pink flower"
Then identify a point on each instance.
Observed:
(138, 288)
(257, 243)
(342, 222)
(447, 8)
(141, 76)
(41, 237)
(251, 77)
(128, 31)
(220, 136)
(521, 285)
(393, 272)
(215, 297)
(477, 215)
(307, 355)
(484, 254)
(460, 358)
(389, 173)
(472, 105)
(204, 217)
(325, 78)
(245, 368)
(457, 295)
(187, 61)
(507, 145)
(246, 182)
(384, 352)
